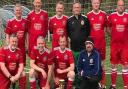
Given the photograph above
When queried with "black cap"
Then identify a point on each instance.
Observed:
(89, 40)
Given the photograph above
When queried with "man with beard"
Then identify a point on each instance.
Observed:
(89, 66)
(11, 63)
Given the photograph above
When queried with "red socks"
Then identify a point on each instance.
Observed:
(103, 81)
(70, 84)
(113, 77)
(33, 85)
(125, 78)
(22, 82)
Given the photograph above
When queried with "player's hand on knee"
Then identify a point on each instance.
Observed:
(56, 81)
(44, 74)
(47, 86)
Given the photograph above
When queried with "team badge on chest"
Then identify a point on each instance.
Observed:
(124, 19)
(91, 61)
(63, 22)
(82, 22)
(100, 17)
(33, 18)
(17, 56)
(44, 58)
(41, 17)
(9, 57)
(37, 57)
(115, 20)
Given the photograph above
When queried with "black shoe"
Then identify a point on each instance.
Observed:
(111, 87)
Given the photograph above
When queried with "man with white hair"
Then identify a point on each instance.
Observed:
(11, 64)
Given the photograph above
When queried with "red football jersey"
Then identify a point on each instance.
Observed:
(12, 59)
(37, 23)
(17, 27)
(97, 25)
(62, 59)
(41, 59)
(58, 27)
(119, 27)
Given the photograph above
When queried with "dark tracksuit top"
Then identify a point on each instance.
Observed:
(78, 29)
(90, 65)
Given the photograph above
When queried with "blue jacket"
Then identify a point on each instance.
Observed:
(89, 65)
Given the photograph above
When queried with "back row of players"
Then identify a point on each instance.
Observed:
(77, 28)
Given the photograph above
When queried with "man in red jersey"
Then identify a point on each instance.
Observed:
(40, 64)
(57, 24)
(98, 21)
(11, 63)
(64, 63)
(118, 26)
(37, 24)
(16, 25)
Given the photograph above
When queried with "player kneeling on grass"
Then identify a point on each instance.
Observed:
(63, 64)
(89, 66)
(40, 65)
(11, 63)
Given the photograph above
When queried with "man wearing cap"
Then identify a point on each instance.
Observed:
(89, 66)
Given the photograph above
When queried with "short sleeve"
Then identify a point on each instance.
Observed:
(32, 54)
(109, 21)
(2, 55)
(71, 58)
(8, 27)
(50, 61)
(52, 57)
(21, 57)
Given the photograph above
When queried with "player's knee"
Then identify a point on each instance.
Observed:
(71, 74)
(114, 67)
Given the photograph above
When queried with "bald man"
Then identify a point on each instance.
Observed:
(118, 25)
(37, 24)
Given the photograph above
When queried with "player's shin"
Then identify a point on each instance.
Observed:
(22, 82)
(125, 78)
(71, 77)
(32, 82)
(113, 76)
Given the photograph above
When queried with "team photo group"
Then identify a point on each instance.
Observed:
(76, 58)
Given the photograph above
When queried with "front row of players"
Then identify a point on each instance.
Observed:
(45, 65)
